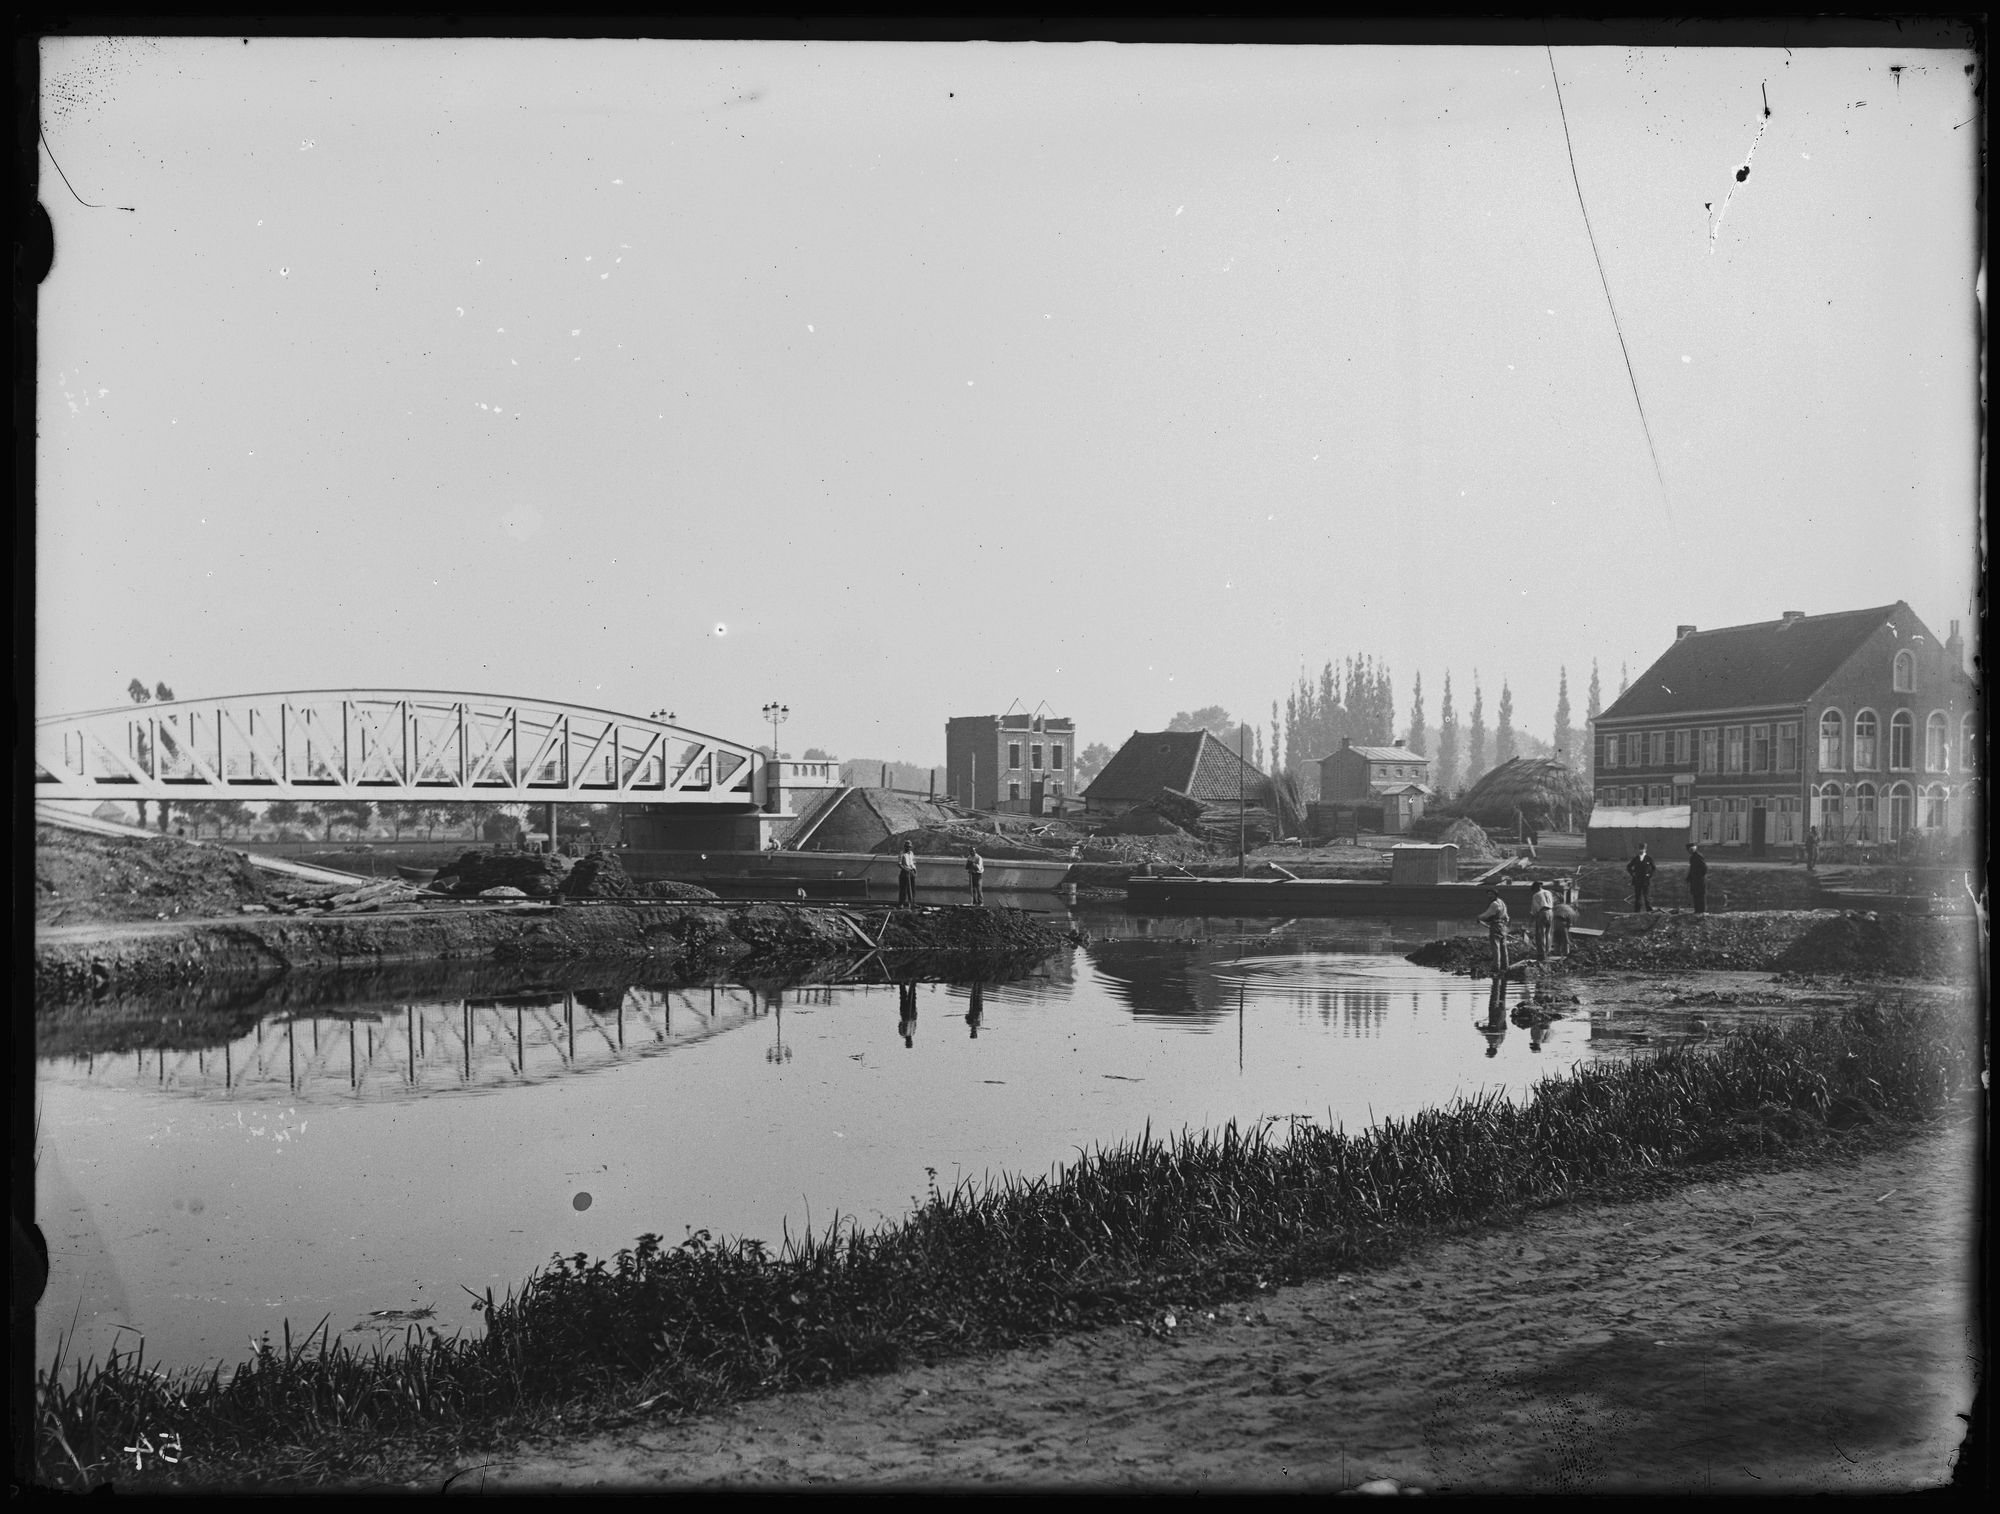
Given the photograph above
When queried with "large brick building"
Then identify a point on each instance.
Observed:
(1016, 763)
(1861, 723)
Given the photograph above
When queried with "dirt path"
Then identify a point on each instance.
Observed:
(1806, 1330)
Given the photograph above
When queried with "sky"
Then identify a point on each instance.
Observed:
(896, 382)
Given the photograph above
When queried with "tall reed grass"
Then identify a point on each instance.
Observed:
(1195, 1216)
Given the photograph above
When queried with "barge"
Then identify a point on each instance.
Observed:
(836, 875)
(1422, 881)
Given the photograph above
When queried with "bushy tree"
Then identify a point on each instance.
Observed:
(1090, 762)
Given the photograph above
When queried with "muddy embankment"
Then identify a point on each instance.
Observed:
(119, 919)
(673, 942)
(1798, 942)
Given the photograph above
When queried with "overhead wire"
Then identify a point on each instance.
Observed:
(1598, 257)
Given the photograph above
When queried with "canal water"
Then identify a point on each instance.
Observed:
(369, 1157)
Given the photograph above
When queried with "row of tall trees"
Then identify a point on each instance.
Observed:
(1354, 700)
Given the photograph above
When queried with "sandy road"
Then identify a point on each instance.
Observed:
(1804, 1330)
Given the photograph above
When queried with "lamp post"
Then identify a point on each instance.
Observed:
(777, 714)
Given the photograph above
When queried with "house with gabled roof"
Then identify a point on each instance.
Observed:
(1860, 723)
(1394, 777)
(1193, 762)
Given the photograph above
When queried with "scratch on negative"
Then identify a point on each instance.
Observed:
(1742, 173)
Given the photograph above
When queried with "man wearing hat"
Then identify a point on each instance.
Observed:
(1697, 879)
(1641, 870)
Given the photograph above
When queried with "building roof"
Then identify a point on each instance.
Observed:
(1771, 662)
(1401, 786)
(1192, 761)
(1382, 754)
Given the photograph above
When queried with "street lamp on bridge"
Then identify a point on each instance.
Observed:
(776, 713)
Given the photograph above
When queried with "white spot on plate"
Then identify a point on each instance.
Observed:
(1685, 358)
(721, 629)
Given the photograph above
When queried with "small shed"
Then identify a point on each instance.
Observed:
(1410, 862)
(1616, 834)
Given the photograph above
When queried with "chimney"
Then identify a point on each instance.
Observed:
(1399, 743)
(1795, 615)
(1682, 633)
(1954, 649)
(1346, 742)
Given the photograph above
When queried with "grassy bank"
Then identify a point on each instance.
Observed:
(1182, 1220)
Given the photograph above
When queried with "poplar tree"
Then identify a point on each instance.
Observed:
(1475, 743)
(1419, 741)
(1590, 723)
(1564, 735)
(1503, 733)
(1447, 769)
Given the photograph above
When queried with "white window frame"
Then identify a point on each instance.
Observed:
(1760, 735)
(1937, 751)
(1903, 723)
(1787, 731)
(1711, 750)
(1833, 746)
(1013, 756)
(1732, 749)
(1865, 759)
(1683, 748)
(1901, 817)
(1903, 672)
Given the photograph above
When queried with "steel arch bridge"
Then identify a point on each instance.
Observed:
(419, 745)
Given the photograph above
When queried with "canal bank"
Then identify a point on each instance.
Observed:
(674, 939)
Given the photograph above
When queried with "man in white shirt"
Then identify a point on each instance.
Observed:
(906, 877)
(1541, 913)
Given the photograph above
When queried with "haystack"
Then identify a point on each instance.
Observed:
(1538, 790)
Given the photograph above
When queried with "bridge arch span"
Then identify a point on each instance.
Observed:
(416, 745)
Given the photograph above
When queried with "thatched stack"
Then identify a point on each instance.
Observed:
(1541, 791)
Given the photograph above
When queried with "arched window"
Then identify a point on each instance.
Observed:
(1968, 746)
(1831, 825)
(1905, 672)
(1937, 759)
(1866, 729)
(1902, 741)
(1937, 808)
(1831, 730)
(1864, 812)
(1902, 811)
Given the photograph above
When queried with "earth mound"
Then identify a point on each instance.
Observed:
(687, 893)
(84, 879)
(599, 876)
(536, 875)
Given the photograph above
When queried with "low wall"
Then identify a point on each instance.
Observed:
(1729, 888)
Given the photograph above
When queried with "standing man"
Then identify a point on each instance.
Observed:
(1697, 879)
(1565, 916)
(1494, 916)
(1542, 915)
(975, 874)
(1641, 870)
(906, 877)
(1812, 848)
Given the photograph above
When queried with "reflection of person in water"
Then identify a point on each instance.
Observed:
(975, 1011)
(906, 1001)
(1494, 1026)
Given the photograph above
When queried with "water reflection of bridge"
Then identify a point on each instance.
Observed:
(434, 1047)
